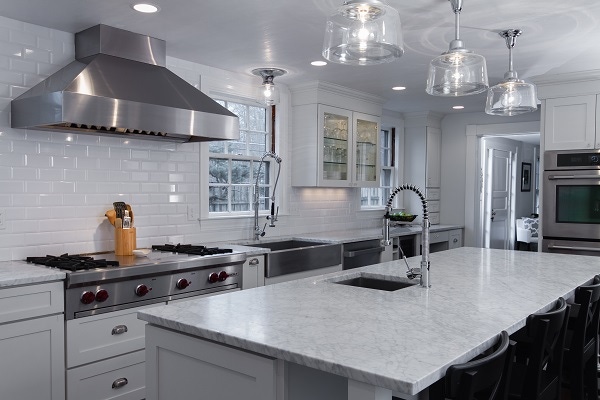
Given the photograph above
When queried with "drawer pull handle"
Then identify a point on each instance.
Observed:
(254, 261)
(119, 383)
(119, 329)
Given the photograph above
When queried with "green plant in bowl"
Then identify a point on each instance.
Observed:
(402, 217)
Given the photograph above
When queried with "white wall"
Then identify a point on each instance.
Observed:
(455, 159)
(55, 187)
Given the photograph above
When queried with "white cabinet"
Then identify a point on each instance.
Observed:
(32, 365)
(105, 356)
(253, 272)
(570, 123)
(335, 137)
(334, 147)
(454, 238)
(422, 166)
(184, 367)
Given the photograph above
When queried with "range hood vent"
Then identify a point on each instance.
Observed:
(119, 85)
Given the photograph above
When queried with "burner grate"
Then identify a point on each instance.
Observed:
(191, 249)
(72, 262)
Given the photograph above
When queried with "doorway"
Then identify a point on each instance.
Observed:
(498, 167)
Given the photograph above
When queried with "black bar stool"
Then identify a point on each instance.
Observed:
(581, 355)
(537, 366)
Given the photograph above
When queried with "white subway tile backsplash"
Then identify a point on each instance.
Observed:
(129, 165)
(23, 66)
(23, 174)
(75, 175)
(25, 200)
(10, 187)
(64, 162)
(89, 163)
(36, 54)
(36, 160)
(63, 187)
(76, 150)
(47, 174)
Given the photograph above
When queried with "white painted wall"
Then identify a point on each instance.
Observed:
(55, 187)
(456, 157)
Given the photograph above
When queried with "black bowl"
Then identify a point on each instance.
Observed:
(403, 218)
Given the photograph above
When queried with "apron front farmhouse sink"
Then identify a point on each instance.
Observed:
(291, 256)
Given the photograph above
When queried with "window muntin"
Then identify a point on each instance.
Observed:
(377, 197)
(233, 165)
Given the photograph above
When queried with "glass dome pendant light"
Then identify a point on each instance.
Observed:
(363, 32)
(512, 96)
(457, 72)
(267, 93)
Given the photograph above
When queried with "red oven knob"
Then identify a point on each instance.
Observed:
(141, 290)
(223, 275)
(101, 295)
(213, 277)
(182, 283)
(87, 297)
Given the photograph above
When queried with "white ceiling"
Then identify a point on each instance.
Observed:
(239, 35)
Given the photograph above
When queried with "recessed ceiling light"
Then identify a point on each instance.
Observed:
(398, 88)
(318, 63)
(458, 107)
(145, 8)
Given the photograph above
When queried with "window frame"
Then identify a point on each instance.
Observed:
(231, 157)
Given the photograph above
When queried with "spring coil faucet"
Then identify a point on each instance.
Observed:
(424, 273)
(258, 232)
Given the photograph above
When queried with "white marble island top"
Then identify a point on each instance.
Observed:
(402, 340)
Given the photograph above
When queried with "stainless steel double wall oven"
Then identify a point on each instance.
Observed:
(571, 202)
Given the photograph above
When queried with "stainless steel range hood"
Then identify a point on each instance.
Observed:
(119, 86)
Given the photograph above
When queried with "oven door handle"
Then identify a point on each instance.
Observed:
(576, 248)
(556, 177)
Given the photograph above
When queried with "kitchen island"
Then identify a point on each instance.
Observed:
(316, 333)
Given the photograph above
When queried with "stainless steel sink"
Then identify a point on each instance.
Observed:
(377, 284)
(289, 256)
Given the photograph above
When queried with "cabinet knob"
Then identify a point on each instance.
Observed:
(455, 240)
(119, 383)
(254, 261)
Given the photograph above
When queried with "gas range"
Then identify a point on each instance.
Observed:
(103, 282)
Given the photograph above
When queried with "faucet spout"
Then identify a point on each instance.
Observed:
(424, 276)
(258, 232)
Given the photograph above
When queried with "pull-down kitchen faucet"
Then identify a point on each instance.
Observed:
(424, 272)
(258, 232)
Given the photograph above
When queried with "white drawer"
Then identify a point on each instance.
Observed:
(106, 379)
(437, 237)
(31, 301)
(102, 336)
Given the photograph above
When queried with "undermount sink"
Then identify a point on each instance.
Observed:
(291, 255)
(375, 283)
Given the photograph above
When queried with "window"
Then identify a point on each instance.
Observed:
(234, 165)
(377, 197)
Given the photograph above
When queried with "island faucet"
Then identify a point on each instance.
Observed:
(258, 232)
(424, 272)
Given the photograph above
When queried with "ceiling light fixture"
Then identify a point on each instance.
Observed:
(457, 72)
(145, 8)
(267, 92)
(399, 88)
(458, 107)
(512, 96)
(318, 63)
(363, 32)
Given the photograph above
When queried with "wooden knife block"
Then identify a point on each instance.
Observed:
(124, 241)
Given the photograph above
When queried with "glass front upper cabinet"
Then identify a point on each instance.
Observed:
(349, 148)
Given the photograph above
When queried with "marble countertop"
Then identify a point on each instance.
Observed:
(402, 340)
(13, 273)
(349, 236)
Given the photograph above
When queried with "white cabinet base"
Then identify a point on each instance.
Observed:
(121, 378)
(184, 367)
(32, 365)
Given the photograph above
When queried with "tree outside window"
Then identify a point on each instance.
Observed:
(233, 164)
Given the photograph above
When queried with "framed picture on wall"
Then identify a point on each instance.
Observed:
(525, 177)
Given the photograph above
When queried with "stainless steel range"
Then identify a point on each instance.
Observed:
(100, 283)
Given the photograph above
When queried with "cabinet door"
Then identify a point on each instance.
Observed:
(32, 365)
(254, 272)
(433, 157)
(335, 146)
(570, 123)
(455, 239)
(366, 153)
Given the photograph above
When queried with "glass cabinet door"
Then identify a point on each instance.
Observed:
(366, 162)
(336, 147)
